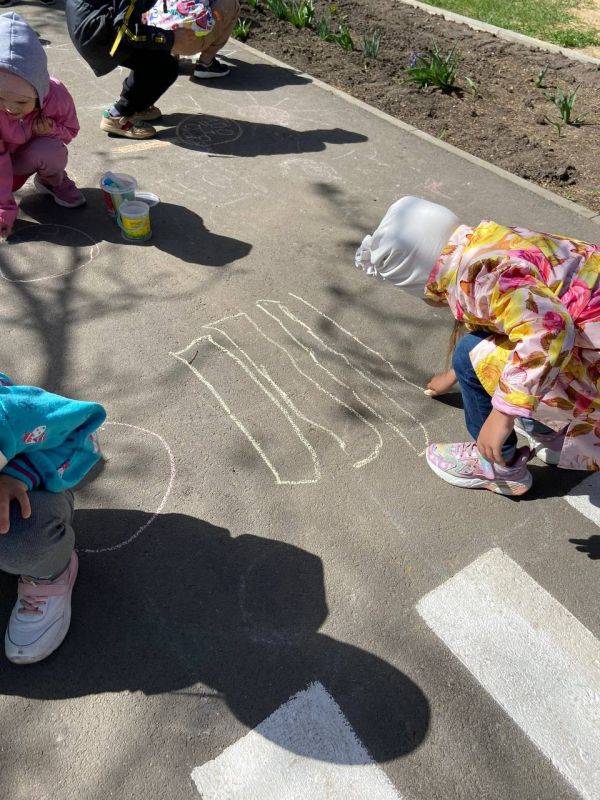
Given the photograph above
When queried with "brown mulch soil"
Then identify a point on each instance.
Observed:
(504, 121)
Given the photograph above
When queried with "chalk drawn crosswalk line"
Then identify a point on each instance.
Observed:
(309, 382)
(531, 654)
(342, 359)
(306, 750)
(209, 339)
(283, 353)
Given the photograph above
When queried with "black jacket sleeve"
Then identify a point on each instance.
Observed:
(95, 24)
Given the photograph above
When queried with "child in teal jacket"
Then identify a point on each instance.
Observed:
(48, 444)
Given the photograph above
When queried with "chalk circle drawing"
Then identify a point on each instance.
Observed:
(332, 379)
(126, 448)
(311, 169)
(204, 133)
(20, 261)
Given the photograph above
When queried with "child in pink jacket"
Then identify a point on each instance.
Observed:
(529, 360)
(37, 121)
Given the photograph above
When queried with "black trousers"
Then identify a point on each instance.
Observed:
(152, 72)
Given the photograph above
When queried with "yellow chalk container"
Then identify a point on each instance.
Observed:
(134, 221)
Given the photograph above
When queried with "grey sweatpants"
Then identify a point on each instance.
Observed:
(40, 546)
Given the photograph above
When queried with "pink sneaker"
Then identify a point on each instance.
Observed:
(41, 617)
(462, 465)
(66, 194)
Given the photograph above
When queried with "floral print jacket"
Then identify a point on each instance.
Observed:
(539, 297)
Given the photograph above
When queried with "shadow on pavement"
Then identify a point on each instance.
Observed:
(589, 546)
(242, 138)
(189, 604)
(176, 229)
(248, 76)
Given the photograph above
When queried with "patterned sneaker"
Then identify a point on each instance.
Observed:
(127, 127)
(546, 446)
(462, 465)
(149, 115)
(66, 194)
(41, 617)
(215, 69)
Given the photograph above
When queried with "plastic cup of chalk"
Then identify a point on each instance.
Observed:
(134, 221)
(117, 187)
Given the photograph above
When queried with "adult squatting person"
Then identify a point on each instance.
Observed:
(112, 33)
(529, 306)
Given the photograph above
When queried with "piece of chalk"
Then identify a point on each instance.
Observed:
(429, 392)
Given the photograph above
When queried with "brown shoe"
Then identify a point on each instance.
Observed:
(126, 127)
(149, 115)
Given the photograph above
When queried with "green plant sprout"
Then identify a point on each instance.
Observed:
(372, 45)
(565, 103)
(433, 68)
(558, 126)
(343, 38)
(253, 4)
(242, 29)
(473, 87)
(302, 13)
(279, 8)
(540, 80)
(324, 29)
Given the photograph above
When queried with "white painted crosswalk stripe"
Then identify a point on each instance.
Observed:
(531, 654)
(306, 750)
(585, 497)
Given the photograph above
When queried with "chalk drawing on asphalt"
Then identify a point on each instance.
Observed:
(315, 389)
(311, 169)
(166, 493)
(205, 132)
(18, 265)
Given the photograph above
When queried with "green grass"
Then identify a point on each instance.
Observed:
(550, 20)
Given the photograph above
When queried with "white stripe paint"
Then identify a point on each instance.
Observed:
(306, 750)
(531, 654)
(585, 497)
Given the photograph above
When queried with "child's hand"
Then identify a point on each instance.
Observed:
(496, 430)
(5, 230)
(441, 384)
(42, 126)
(12, 489)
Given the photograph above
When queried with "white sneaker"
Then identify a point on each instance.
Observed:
(41, 617)
(546, 446)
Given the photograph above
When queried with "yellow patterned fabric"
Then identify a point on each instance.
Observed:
(539, 297)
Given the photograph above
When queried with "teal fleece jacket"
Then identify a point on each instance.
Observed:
(47, 441)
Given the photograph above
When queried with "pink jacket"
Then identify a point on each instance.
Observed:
(538, 296)
(14, 133)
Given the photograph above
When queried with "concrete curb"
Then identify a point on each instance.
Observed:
(574, 208)
(503, 33)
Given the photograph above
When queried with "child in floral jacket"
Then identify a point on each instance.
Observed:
(529, 362)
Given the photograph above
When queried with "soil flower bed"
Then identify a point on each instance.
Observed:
(500, 110)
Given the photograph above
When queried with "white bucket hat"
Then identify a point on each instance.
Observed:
(408, 242)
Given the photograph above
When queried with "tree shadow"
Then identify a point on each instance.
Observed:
(190, 603)
(176, 230)
(245, 139)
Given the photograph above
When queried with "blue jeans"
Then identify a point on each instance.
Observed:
(476, 401)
